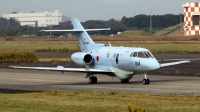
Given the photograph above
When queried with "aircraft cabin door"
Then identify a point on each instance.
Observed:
(117, 58)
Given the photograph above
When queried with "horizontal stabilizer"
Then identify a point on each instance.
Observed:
(75, 30)
(97, 29)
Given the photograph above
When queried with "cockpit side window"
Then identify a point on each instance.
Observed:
(114, 55)
(135, 54)
(108, 55)
(146, 54)
(131, 54)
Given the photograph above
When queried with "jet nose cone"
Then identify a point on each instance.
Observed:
(154, 66)
(157, 66)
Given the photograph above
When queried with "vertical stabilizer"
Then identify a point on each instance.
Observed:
(85, 42)
(76, 24)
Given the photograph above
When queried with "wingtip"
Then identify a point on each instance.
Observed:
(42, 30)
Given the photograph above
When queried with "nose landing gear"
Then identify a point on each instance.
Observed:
(145, 81)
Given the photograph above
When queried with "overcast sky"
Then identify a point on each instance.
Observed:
(95, 9)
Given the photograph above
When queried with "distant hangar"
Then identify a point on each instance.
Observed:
(36, 19)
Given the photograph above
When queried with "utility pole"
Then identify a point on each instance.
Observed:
(50, 31)
(151, 22)
(180, 22)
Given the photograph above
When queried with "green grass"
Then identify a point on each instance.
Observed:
(37, 47)
(50, 59)
(133, 33)
(155, 48)
(167, 48)
(18, 57)
(36, 38)
(177, 32)
(88, 101)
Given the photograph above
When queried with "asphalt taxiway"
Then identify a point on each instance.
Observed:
(51, 80)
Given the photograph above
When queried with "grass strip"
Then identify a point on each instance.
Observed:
(91, 101)
(18, 57)
(155, 48)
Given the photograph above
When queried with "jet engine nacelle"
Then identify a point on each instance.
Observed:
(82, 59)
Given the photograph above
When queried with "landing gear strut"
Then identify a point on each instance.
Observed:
(145, 81)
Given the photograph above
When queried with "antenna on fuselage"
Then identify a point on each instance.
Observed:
(110, 44)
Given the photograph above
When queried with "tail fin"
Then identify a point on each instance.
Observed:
(76, 24)
(85, 42)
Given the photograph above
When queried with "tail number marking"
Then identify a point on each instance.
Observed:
(85, 43)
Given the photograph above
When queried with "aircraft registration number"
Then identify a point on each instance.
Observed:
(85, 43)
(137, 63)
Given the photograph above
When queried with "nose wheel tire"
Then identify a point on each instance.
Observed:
(146, 81)
(93, 80)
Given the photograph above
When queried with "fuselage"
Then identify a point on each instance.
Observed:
(131, 59)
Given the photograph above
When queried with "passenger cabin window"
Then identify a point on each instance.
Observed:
(107, 55)
(114, 55)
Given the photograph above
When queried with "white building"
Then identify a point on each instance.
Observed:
(36, 19)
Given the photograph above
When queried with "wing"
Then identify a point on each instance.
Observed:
(62, 69)
(173, 63)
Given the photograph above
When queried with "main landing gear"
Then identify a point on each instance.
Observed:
(124, 80)
(93, 80)
(145, 81)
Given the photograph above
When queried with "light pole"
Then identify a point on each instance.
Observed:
(150, 22)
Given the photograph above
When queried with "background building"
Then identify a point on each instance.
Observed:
(36, 19)
(191, 19)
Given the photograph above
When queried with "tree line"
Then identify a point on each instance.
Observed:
(12, 27)
(158, 21)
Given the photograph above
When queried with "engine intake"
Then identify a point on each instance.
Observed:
(88, 59)
(82, 58)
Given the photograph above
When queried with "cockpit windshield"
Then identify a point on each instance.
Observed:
(142, 54)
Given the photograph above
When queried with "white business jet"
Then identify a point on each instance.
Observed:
(122, 62)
